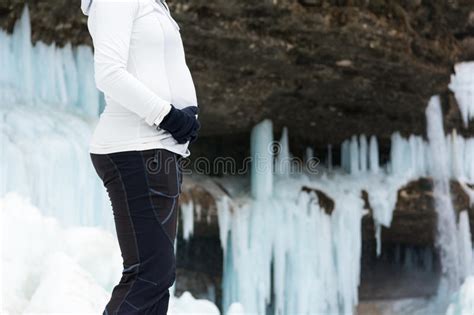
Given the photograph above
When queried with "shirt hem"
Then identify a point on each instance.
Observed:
(93, 149)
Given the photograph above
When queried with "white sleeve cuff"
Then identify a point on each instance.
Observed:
(155, 117)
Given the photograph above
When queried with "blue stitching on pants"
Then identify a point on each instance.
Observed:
(136, 308)
(178, 176)
(153, 206)
(130, 268)
(177, 189)
(163, 194)
(145, 280)
(171, 212)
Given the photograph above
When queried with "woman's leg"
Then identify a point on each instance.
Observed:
(143, 187)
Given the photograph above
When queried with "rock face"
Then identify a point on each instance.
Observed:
(414, 217)
(325, 69)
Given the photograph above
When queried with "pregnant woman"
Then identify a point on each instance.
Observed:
(149, 120)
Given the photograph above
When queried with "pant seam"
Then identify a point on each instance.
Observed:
(133, 229)
(152, 302)
(152, 205)
(178, 179)
(159, 193)
(133, 306)
(145, 280)
(170, 213)
(131, 267)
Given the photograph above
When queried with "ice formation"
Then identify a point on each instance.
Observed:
(283, 160)
(446, 223)
(360, 158)
(463, 303)
(276, 231)
(261, 143)
(187, 212)
(290, 267)
(462, 84)
(374, 163)
(464, 246)
(44, 74)
(293, 271)
(41, 87)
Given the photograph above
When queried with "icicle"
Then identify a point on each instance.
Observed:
(187, 211)
(462, 84)
(354, 156)
(465, 246)
(363, 153)
(455, 144)
(224, 217)
(468, 167)
(374, 155)
(309, 155)
(345, 155)
(283, 159)
(262, 160)
(446, 236)
(22, 50)
(397, 154)
(329, 157)
(412, 167)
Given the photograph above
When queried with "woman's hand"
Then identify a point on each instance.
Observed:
(182, 124)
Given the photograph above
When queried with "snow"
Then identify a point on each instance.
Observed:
(236, 309)
(64, 287)
(53, 269)
(187, 304)
(45, 257)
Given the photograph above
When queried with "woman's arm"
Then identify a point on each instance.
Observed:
(110, 24)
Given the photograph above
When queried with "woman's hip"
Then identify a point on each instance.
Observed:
(141, 184)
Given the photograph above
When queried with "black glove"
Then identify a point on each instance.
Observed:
(193, 111)
(182, 124)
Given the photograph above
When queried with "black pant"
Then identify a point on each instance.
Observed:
(143, 187)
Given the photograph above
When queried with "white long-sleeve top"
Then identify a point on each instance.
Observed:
(140, 66)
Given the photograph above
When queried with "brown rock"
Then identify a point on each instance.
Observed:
(294, 61)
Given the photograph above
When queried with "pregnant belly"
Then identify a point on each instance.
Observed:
(117, 128)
